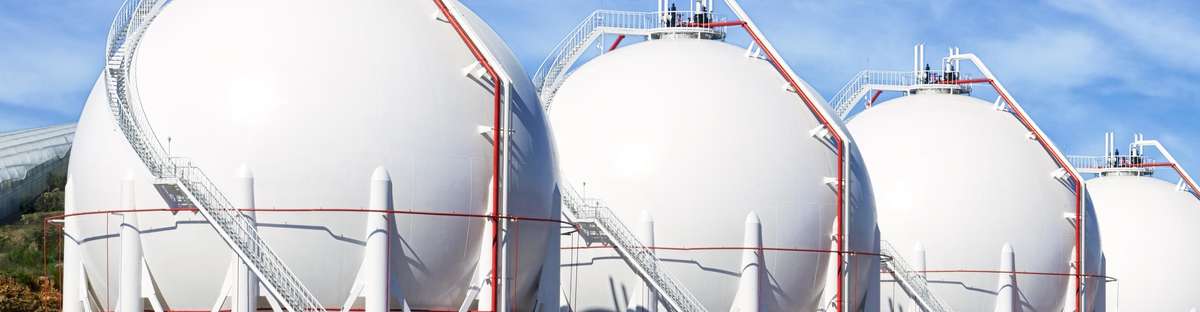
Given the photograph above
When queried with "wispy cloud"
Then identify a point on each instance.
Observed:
(52, 53)
(1166, 31)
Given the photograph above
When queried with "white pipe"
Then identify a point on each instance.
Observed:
(130, 299)
(376, 262)
(916, 60)
(1006, 293)
(1107, 148)
(72, 299)
(749, 296)
(505, 129)
(246, 299)
(483, 266)
(649, 299)
(1171, 159)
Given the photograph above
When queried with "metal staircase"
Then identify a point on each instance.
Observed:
(552, 71)
(598, 224)
(866, 81)
(911, 281)
(180, 182)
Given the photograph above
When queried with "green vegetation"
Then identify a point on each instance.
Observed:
(31, 254)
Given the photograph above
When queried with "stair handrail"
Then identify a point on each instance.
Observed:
(125, 33)
(912, 282)
(620, 237)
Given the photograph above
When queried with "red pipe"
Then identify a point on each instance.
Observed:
(1195, 191)
(1148, 165)
(970, 81)
(616, 42)
(63, 216)
(496, 196)
(1078, 190)
(714, 24)
(841, 186)
(874, 97)
(358, 210)
(1009, 272)
(738, 248)
(326, 308)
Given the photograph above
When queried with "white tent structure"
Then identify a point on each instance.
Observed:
(27, 157)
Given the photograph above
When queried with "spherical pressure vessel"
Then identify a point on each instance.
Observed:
(1149, 228)
(704, 140)
(965, 189)
(312, 96)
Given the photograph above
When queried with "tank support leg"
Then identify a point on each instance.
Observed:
(241, 286)
(74, 283)
(131, 253)
(548, 293)
(645, 300)
(749, 293)
(247, 283)
(374, 282)
(136, 283)
(1006, 288)
(481, 283)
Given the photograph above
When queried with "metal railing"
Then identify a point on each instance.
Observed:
(913, 282)
(597, 223)
(1108, 162)
(871, 80)
(177, 175)
(552, 71)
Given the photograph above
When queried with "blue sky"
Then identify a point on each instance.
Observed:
(1079, 67)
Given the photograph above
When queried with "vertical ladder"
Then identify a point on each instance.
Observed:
(911, 281)
(183, 184)
(597, 224)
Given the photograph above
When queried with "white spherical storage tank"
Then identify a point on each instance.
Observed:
(312, 97)
(1149, 229)
(698, 144)
(963, 188)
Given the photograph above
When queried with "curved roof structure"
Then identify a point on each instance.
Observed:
(26, 158)
(23, 150)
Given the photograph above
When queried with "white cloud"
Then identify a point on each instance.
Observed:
(1166, 32)
(1050, 59)
(51, 53)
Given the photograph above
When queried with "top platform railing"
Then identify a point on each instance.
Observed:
(901, 81)
(1094, 164)
(553, 69)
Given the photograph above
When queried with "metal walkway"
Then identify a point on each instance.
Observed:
(183, 184)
